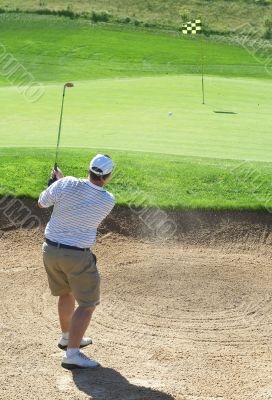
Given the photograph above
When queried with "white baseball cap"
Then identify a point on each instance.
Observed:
(101, 165)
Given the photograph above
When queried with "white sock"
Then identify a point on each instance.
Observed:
(71, 352)
(65, 335)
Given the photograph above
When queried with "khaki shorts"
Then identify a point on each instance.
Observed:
(72, 271)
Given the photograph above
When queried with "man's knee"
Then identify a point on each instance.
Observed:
(66, 295)
(87, 309)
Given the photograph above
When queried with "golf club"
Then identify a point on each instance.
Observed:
(53, 178)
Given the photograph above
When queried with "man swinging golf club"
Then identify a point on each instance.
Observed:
(80, 205)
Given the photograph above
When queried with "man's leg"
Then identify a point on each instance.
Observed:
(66, 308)
(79, 323)
(73, 357)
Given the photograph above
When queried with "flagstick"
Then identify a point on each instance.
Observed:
(203, 87)
(202, 60)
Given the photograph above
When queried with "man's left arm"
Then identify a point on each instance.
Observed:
(49, 196)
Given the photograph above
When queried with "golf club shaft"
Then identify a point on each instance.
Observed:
(60, 123)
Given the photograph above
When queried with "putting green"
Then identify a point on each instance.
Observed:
(132, 114)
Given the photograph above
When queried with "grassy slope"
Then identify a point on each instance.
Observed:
(219, 15)
(148, 179)
(55, 49)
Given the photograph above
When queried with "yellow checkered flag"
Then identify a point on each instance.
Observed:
(192, 28)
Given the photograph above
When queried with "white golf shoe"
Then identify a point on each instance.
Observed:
(79, 360)
(63, 343)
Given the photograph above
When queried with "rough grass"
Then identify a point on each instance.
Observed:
(148, 179)
(219, 15)
(57, 49)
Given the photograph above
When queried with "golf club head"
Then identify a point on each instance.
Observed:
(69, 85)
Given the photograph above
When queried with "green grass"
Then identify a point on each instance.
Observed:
(148, 179)
(132, 114)
(219, 15)
(189, 160)
(58, 49)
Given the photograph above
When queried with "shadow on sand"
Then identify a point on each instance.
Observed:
(108, 384)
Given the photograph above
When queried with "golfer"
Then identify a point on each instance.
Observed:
(80, 205)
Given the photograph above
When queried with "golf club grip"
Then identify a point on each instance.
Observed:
(53, 177)
(52, 180)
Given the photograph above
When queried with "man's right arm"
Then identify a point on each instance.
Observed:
(110, 205)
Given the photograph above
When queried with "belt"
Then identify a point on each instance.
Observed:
(64, 246)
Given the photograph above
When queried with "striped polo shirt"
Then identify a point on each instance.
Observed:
(79, 208)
